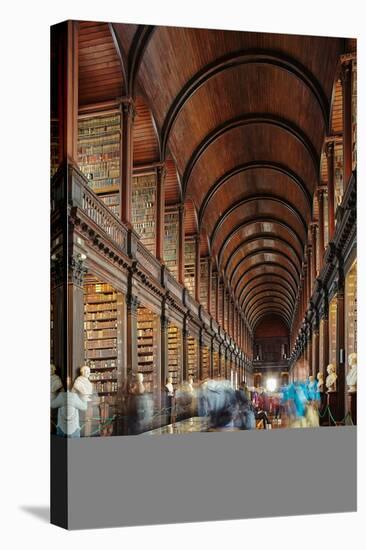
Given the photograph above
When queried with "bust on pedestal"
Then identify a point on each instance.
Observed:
(82, 384)
(56, 383)
(85, 389)
(331, 379)
(352, 373)
(170, 393)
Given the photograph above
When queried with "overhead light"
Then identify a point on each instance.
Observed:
(271, 384)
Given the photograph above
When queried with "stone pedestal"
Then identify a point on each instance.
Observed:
(352, 405)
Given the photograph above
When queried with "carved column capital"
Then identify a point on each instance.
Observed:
(132, 303)
(329, 149)
(128, 109)
(77, 269)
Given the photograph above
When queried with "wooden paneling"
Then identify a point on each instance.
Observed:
(172, 187)
(100, 73)
(190, 218)
(337, 109)
(145, 143)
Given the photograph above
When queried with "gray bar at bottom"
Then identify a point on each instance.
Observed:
(137, 480)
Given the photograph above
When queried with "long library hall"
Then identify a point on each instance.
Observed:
(203, 230)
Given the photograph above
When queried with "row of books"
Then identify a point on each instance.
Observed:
(96, 308)
(101, 343)
(104, 375)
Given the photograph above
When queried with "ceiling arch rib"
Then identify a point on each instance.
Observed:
(273, 297)
(266, 57)
(266, 309)
(258, 315)
(267, 314)
(268, 263)
(273, 270)
(245, 120)
(264, 278)
(263, 287)
(258, 242)
(258, 202)
(254, 165)
(269, 253)
(260, 225)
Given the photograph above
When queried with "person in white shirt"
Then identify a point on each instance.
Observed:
(68, 404)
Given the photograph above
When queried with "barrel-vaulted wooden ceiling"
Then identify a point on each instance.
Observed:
(243, 115)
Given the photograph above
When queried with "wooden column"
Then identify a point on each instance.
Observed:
(223, 304)
(185, 348)
(315, 350)
(310, 351)
(160, 212)
(197, 269)
(340, 354)
(126, 162)
(309, 281)
(164, 355)
(325, 343)
(68, 263)
(217, 297)
(228, 313)
(132, 304)
(314, 249)
(181, 244)
(209, 285)
(329, 150)
(321, 227)
(68, 85)
(346, 79)
(200, 355)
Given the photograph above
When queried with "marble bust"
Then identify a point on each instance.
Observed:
(82, 384)
(56, 383)
(169, 388)
(138, 388)
(330, 381)
(190, 386)
(320, 379)
(352, 373)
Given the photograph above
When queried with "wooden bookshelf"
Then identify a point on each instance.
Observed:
(51, 331)
(354, 114)
(204, 282)
(99, 145)
(321, 346)
(215, 364)
(220, 315)
(213, 295)
(193, 358)
(333, 331)
(205, 367)
(144, 208)
(338, 174)
(103, 348)
(351, 310)
(171, 230)
(226, 316)
(175, 354)
(147, 348)
(189, 266)
(54, 139)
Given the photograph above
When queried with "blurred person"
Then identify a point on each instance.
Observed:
(68, 404)
(139, 406)
(217, 401)
(183, 401)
